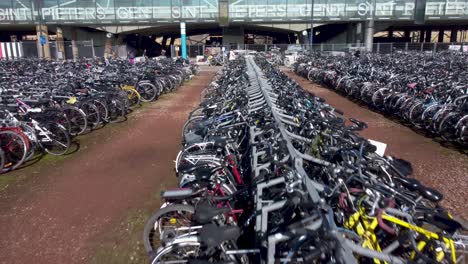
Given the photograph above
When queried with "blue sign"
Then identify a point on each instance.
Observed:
(43, 40)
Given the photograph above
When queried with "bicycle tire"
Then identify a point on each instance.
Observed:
(92, 114)
(60, 138)
(148, 91)
(102, 109)
(77, 118)
(148, 231)
(117, 111)
(2, 160)
(10, 157)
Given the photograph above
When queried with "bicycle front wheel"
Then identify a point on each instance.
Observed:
(57, 140)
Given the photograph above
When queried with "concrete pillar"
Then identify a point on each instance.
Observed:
(74, 37)
(440, 37)
(407, 34)
(172, 40)
(369, 39)
(428, 35)
(360, 32)
(108, 47)
(453, 35)
(421, 36)
(120, 40)
(43, 50)
(164, 41)
(60, 44)
(351, 33)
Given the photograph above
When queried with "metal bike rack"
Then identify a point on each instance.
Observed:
(269, 99)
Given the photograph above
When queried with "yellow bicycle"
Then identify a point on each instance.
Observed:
(416, 242)
(133, 96)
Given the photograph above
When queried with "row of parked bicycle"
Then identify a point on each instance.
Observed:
(428, 91)
(269, 173)
(43, 103)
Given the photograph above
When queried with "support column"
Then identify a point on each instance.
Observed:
(183, 44)
(74, 37)
(350, 33)
(108, 47)
(369, 40)
(407, 34)
(43, 50)
(440, 37)
(453, 35)
(428, 35)
(164, 41)
(421, 36)
(60, 44)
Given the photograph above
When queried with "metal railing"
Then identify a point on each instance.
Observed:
(382, 48)
(89, 49)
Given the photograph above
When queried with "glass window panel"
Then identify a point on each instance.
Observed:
(21, 9)
(299, 8)
(162, 9)
(49, 3)
(105, 10)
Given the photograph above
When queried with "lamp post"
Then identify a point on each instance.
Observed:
(311, 40)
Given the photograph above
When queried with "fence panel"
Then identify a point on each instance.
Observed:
(87, 49)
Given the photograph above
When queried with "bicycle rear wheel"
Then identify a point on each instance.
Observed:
(77, 119)
(161, 226)
(102, 109)
(14, 148)
(147, 91)
(117, 111)
(92, 114)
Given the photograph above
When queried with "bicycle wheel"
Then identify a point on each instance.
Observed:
(14, 148)
(198, 112)
(102, 109)
(92, 114)
(117, 110)
(180, 252)
(57, 141)
(77, 119)
(2, 160)
(191, 125)
(133, 97)
(147, 91)
(163, 224)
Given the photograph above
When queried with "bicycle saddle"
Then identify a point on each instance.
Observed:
(431, 194)
(202, 261)
(220, 142)
(358, 125)
(212, 235)
(410, 183)
(204, 213)
(177, 194)
(443, 221)
(192, 137)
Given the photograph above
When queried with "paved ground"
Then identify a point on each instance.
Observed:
(437, 166)
(80, 208)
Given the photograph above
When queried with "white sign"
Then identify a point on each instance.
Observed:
(364, 8)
